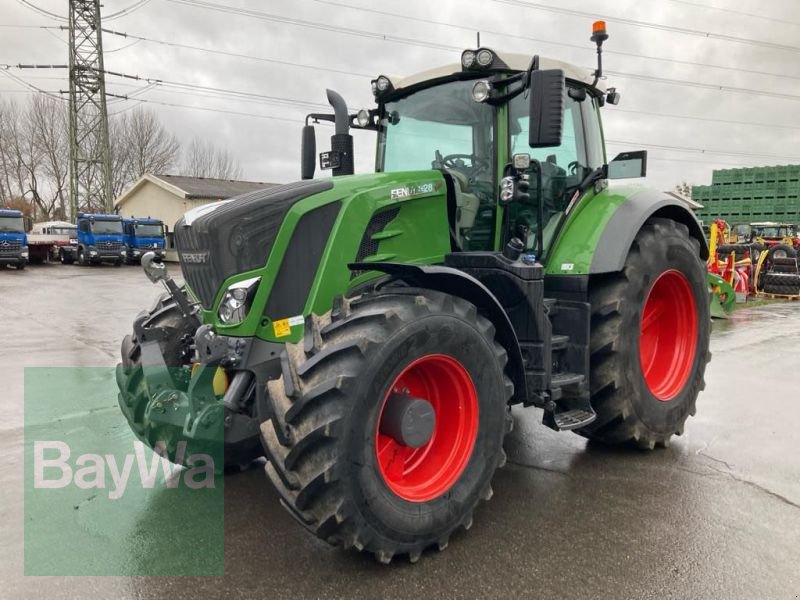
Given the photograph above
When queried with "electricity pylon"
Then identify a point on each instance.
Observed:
(89, 150)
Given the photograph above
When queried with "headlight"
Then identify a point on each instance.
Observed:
(362, 118)
(481, 90)
(92, 252)
(468, 59)
(237, 300)
(485, 57)
(122, 252)
(24, 252)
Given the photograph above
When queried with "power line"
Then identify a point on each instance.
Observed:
(42, 11)
(503, 34)
(700, 150)
(703, 85)
(126, 11)
(733, 11)
(313, 25)
(362, 33)
(648, 25)
(707, 119)
(235, 54)
(28, 85)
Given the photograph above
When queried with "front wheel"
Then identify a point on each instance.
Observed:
(387, 424)
(649, 341)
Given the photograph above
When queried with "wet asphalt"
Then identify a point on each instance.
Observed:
(715, 515)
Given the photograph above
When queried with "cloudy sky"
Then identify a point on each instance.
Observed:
(341, 44)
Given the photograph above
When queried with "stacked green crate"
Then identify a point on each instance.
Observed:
(751, 195)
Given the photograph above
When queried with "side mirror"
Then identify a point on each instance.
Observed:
(308, 153)
(628, 165)
(547, 91)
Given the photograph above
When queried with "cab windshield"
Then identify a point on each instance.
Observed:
(777, 232)
(70, 231)
(150, 230)
(438, 127)
(99, 226)
(11, 225)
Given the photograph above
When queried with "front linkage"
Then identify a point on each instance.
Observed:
(173, 386)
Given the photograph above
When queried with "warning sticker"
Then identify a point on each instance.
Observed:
(281, 328)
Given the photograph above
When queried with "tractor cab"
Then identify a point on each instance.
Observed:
(772, 234)
(517, 140)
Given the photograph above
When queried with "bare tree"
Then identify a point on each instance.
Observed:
(203, 159)
(34, 154)
(139, 144)
(49, 135)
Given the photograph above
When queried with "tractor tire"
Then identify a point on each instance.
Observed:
(82, 258)
(781, 251)
(649, 339)
(726, 249)
(785, 284)
(337, 470)
(20, 266)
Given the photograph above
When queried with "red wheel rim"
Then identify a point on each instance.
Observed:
(668, 335)
(424, 473)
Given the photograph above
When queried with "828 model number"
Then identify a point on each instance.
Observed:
(413, 190)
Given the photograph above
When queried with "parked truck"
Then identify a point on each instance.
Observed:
(142, 235)
(53, 241)
(13, 240)
(100, 239)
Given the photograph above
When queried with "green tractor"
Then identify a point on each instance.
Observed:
(368, 334)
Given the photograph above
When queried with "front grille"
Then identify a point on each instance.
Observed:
(10, 247)
(236, 237)
(107, 247)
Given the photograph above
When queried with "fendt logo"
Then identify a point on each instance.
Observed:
(196, 258)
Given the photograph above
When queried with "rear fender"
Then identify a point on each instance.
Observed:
(598, 235)
(455, 282)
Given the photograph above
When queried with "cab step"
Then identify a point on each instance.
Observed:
(559, 342)
(561, 380)
(573, 419)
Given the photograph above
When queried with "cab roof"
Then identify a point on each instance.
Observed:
(514, 62)
(143, 220)
(99, 216)
(10, 212)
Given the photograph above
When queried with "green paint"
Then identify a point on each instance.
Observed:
(414, 236)
(573, 250)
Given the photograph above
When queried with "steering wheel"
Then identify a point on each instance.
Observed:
(455, 161)
(573, 167)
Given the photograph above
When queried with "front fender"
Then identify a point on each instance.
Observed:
(455, 282)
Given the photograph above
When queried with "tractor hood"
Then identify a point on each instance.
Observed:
(218, 240)
(286, 228)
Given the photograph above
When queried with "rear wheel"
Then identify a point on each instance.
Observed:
(649, 340)
(388, 421)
